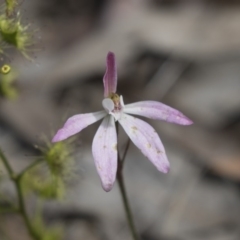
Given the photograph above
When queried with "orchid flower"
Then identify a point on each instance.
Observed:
(104, 146)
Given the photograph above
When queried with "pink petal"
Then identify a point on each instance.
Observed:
(110, 77)
(157, 110)
(147, 140)
(104, 149)
(76, 123)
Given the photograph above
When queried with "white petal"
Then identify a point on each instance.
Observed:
(147, 140)
(158, 111)
(116, 115)
(76, 123)
(121, 101)
(108, 104)
(104, 149)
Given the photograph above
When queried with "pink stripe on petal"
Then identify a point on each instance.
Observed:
(110, 77)
(158, 111)
(76, 123)
(104, 149)
(147, 140)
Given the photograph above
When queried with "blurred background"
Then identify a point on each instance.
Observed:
(184, 53)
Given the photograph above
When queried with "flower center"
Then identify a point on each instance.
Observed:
(113, 105)
(117, 102)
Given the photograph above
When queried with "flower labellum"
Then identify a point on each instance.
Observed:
(104, 147)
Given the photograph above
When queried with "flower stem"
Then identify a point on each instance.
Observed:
(21, 204)
(123, 189)
(127, 205)
(125, 152)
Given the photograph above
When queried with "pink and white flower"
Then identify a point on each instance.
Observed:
(104, 147)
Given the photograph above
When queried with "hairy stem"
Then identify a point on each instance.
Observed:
(6, 164)
(23, 211)
(21, 204)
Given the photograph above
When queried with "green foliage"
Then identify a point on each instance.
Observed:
(7, 80)
(5, 69)
(11, 6)
(14, 33)
(45, 185)
(59, 159)
(48, 179)
(50, 233)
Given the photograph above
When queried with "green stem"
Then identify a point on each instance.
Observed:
(6, 164)
(21, 208)
(23, 211)
(126, 205)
